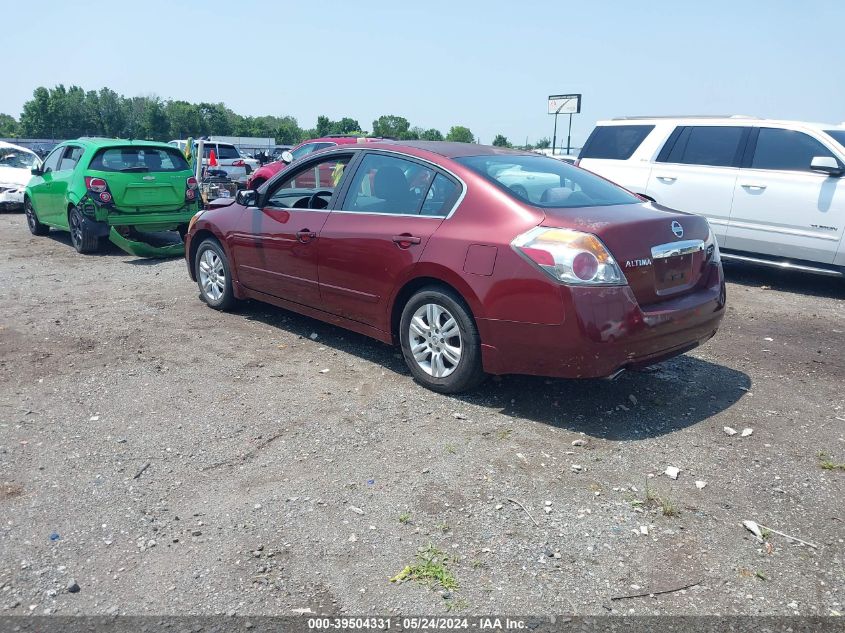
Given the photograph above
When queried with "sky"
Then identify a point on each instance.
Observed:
(485, 64)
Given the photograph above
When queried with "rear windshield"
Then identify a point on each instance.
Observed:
(225, 151)
(838, 136)
(615, 142)
(546, 182)
(138, 159)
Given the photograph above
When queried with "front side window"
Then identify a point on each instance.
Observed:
(69, 159)
(387, 184)
(712, 145)
(546, 182)
(837, 135)
(310, 187)
(786, 150)
(138, 159)
(52, 161)
(615, 142)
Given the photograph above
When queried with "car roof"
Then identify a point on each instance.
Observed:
(448, 149)
(734, 119)
(99, 142)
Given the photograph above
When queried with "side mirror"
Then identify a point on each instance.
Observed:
(36, 171)
(247, 197)
(287, 157)
(827, 165)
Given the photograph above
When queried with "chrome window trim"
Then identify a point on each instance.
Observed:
(676, 249)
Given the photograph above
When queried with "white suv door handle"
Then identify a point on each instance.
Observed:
(666, 178)
(749, 185)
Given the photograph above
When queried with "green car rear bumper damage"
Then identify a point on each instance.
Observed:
(130, 231)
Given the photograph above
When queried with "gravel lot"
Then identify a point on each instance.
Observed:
(272, 486)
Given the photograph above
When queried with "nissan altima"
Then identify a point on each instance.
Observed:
(475, 260)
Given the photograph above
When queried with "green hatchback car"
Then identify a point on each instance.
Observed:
(126, 191)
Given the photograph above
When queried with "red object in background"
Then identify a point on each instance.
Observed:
(266, 172)
(212, 159)
(353, 269)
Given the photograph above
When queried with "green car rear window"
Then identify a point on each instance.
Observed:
(138, 159)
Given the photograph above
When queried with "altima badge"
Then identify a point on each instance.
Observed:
(677, 229)
(635, 263)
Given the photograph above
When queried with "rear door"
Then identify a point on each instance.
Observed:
(276, 250)
(696, 171)
(780, 206)
(389, 211)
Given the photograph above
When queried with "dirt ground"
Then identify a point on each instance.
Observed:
(164, 458)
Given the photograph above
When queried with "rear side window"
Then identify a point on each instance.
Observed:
(713, 145)
(69, 159)
(441, 196)
(138, 159)
(299, 152)
(386, 184)
(615, 142)
(786, 150)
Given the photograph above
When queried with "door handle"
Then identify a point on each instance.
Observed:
(666, 178)
(405, 240)
(305, 235)
(749, 185)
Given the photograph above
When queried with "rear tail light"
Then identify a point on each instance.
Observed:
(98, 189)
(97, 185)
(191, 186)
(238, 163)
(572, 257)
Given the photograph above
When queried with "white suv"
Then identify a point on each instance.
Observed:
(772, 190)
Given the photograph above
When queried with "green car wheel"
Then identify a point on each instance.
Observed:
(83, 239)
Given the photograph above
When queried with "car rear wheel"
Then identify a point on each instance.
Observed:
(35, 227)
(213, 277)
(84, 240)
(440, 341)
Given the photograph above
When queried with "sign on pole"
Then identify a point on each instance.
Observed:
(565, 104)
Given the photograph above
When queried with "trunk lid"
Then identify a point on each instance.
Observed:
(660, 251)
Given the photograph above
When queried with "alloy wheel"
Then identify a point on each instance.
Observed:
(212, 275)
(30, 216)
(75, 228)
(435, 340)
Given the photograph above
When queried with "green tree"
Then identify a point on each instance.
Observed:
(543, 143)
(36, 121)
(9, 127)
(431, 135)
(460, 134)
(112, 113)
(324, 126)
(391, 125)
(501, 141)
(346, 125)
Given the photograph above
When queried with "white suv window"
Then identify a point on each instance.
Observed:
(786, 150)
(713, 145)
(615, 142)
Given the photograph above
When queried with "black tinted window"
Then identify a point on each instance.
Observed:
(138, 158)
(615, 141)
(707, 145)
(385, 184)
(227, 152)
(786, 149)
(838, 136)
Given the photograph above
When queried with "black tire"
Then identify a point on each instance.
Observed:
(83, 239)
(210, 285)
(35, 227)
(467, 373)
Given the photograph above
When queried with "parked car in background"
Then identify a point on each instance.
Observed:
(265, 172)
(99, 188)
(772, 190)
(228, 157)
(434, 246)
(16, 164)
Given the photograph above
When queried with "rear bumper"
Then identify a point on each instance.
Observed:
(605, 330)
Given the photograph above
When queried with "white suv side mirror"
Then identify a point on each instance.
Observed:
(827, 165)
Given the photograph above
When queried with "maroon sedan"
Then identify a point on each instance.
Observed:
(476, 260)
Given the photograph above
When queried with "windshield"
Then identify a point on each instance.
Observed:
(17, 158)
(838, 136)
(139, 159)
(546, 182)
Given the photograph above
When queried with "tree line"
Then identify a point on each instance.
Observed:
(62, 112)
